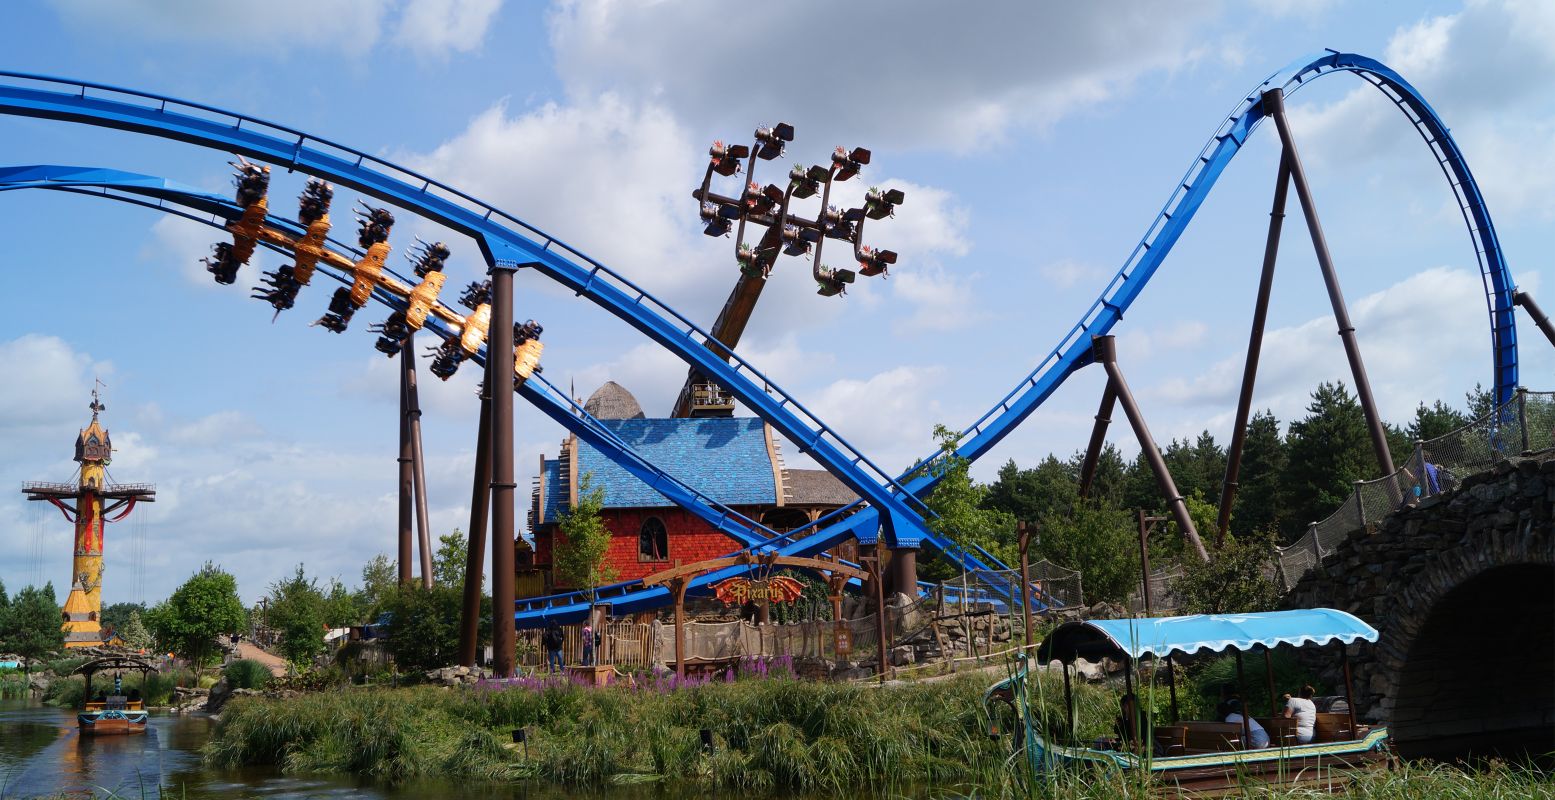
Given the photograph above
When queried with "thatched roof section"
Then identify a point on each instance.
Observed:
(816, 487)
(613, 401)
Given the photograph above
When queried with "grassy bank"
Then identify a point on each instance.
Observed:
(767, 734)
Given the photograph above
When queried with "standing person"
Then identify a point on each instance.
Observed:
(553, 639)
(1304, 711)
(588, 645)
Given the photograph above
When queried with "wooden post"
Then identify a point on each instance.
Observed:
(1268, 674)
(1171, 685)
(1349, 693)
(1242, 706)
(1025, 583)
(1068, 703)
(678, 586)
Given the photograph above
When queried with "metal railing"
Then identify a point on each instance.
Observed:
(1525, 424)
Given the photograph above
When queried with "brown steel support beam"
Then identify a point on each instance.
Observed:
(417, 462)
(1104, 351)
(904, 571)
(1521, 298)
(1274, 106)
(475, 546)
(1271, 249)
(1109, 397)
(406, 554)
(500, 386)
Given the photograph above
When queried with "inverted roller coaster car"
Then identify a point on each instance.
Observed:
(872, 262)
(832, 282)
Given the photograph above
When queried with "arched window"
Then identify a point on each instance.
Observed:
(653, 541)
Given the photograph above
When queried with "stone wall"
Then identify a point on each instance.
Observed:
(1461, 588)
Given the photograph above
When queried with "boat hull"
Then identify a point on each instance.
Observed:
(1318, 765)
(111, 723)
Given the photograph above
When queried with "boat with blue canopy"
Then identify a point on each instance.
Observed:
(1199, 757)
(115, 713)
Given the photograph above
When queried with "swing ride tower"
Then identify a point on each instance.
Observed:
(91, 502)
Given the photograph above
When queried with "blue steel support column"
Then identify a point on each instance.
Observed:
(504, 636)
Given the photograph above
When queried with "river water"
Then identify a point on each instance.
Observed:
(42, 754)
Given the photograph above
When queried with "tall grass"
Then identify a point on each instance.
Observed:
(246, 673)
(767, 734)
(156, 689)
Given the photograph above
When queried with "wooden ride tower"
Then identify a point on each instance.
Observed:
(91, 502)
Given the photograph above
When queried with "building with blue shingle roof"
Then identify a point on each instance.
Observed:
(734, 460)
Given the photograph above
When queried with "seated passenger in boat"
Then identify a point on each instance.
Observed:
(1304, 712)
(1233, 713)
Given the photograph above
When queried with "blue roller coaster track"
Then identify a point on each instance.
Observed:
(506, 239)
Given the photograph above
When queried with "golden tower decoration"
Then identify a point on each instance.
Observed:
(91, 503)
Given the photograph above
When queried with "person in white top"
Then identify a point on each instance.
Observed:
(1255, 732)
(1304, 711)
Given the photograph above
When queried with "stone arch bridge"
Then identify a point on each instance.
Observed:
(1462, 589)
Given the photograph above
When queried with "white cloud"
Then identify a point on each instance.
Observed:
(438, 27)
(276, 26)
(890, 74)
(427, 27)
(1066, 273)
(1416, 338)
(1484, 70)
(889, 416)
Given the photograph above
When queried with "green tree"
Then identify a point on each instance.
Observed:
(1264, 458)
(424, 626)
(5, 607)
(1329, 451)
(342, 607)
(1438, 419)
(1479, 403)
(1031, 494)
(115, 616)
(1140, 489)
(449, 561)
(380, 580)
(1100, 540)
(134, 634)
(1168, 543)
(580, 555)
(296, 612)
(959, 503)
(32, 624)
(1234, 581)
(204, 607)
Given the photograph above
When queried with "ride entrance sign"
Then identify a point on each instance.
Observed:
(739, 591)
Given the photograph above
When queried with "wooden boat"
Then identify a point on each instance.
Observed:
(1198, 758)
(116, 713)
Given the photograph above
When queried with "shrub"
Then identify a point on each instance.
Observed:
(246, 673)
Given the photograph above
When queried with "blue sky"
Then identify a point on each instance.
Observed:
(1035, 143)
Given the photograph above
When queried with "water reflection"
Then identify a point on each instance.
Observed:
(41, 753)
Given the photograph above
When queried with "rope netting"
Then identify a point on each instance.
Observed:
(1163, 593)
(1524, 424)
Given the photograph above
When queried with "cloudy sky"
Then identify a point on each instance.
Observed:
(1035, 143)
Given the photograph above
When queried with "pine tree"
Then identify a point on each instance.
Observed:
(1329, 450)
(1480, 402)
(32, 628)
(1264, 460)
(135, 635)
(1029, 494)
(1437, 420)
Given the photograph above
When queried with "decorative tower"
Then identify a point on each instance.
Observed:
(91, 503)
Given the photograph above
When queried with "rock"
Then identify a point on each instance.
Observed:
(902, 656)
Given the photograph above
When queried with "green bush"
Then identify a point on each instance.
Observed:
(246, 673)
